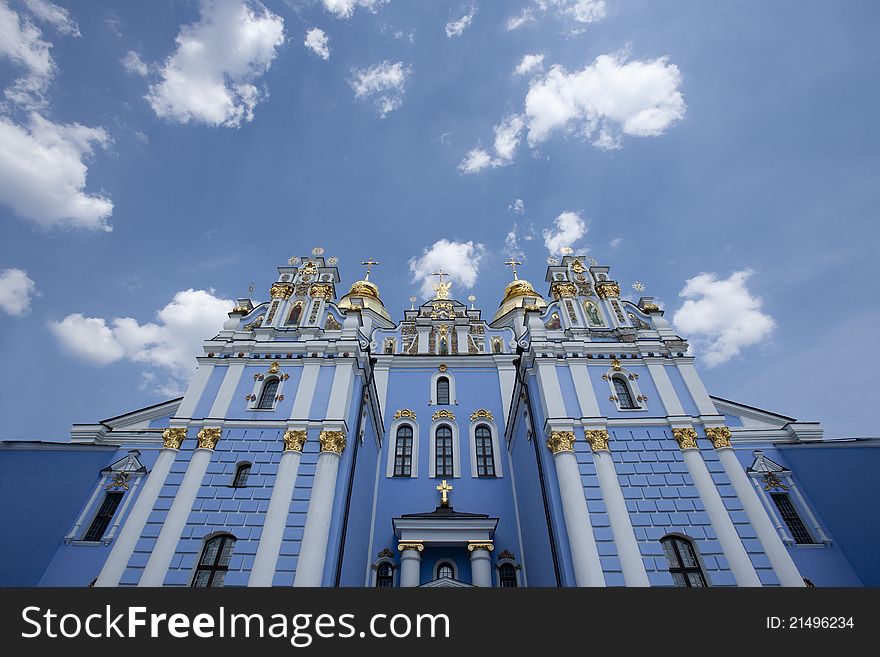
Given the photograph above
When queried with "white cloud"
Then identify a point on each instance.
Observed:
(16, 290)
(721, 316)
(460, 259)
(525, 17)
(210, 76)
(615, 244)
(582, 11)
(133, 63)
(345, 8)
(609, 96)
(507, 138)
(517, 206)
(455, 28)
(518, 233)
(568, 229)
(383, 82)
(318, 42)
(56, 16)
(529, 64)
(169, 345)
(22, 42)
(43, 175)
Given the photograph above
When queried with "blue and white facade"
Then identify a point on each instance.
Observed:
(569, 441)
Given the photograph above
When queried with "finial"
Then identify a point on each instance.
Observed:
(593, 261)
(442, 289)
(332, 261)
(566, 250)
(294, 261)
(412, 302)
(318, 251)
(251, 288)
(472, 298)
(369, 263)
(444, 489)
(638, 287)
(513, 263)
(552, 261)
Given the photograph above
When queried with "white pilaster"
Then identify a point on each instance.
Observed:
(305, 391)
(263, 570)
(410, 564)
(194, 391)
(740, 565)
(695, 387)
(664, 387)
(551, 393)
(313, 550)
(506, 379)
(583, 387)
(157, 565)
(124, 545)
(582, 543)
(481, 564)
(226, 391)
(628, 552)
(340, 392)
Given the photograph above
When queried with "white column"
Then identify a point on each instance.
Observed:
(731, 545)
(263, 570)
(780, 559)
(194, 391)
(582, 543)
(664, 387)
(124, 545)
(583, 387)
(695, 386)
(339, 403)
(313, 550)
(634, 573)
(481, 563)
(551, 393)
(410, 563)
(226, 391)
(157, 565)
(305, 391)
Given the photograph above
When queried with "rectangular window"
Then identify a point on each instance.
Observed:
(443, 464)
(485, 457)
(103, 517)
(403, 457)
(791, 518)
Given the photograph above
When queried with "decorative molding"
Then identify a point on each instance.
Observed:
(273, 368)
(321, 291)
(386, 554)
(332, 441)
(686, 437)
(482, 413)
(443, 413)
(506, 554)
(120, 480)
(410, 545)
(561, 441)
(172, 437)
(650, 308)
(208, 438)
(607, 290)
(720, 436)
(405, 412)
(281, 291)
(598, 439)
(480, 545)
(561, 289)
(294, 440)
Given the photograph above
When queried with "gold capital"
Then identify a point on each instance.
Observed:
(294, 440)
(720, 436)
(598, 439)
(560, 290)
(281, 291)
(172, 437)
(686, 437)
(332, 441)
(480, 545)
(410, 545)
(321, 291)
(607, 290)
(561, 441)
(208, 437)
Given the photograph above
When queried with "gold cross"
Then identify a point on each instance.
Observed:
(444, 489)
(513, 263)
(369, 263)
(442, 289)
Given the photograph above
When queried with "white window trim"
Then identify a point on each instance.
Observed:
(392, 447)
(817, 533)
(258, 389)
(453, 399)
(517, 569)
(496, 448)
(456, 448)
(394, 571)
(91, 508)
(632, 382)
(442, 561)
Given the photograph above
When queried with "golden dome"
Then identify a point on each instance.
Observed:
(368, 293)
(515, 295)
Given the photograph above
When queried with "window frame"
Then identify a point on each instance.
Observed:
(448, 467)
(445, 561)
(239, 468)
(681, 568)
(405, 469)
(106, 519)
(796, 516)
(215, 567)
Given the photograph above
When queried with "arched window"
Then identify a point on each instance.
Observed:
(295, 312)
(485, 453)
(384, 576)
(683, 563)
(445, 569)
(507, 575)
(267, 396)
(443, 391)
(403, 450)
(624, 396)
(214, 561)
(443, 452)
(241, 475)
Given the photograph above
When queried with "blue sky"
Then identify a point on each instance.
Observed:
(720, 153)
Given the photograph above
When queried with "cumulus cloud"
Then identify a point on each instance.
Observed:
(16, 291)
(43, 173)
(169, 345)
(318, 42)
(345, 8)
(58, 17)
(507, 138)
(455, 28)
(609, 97)
(567, 229)
(721, 316)
(22, 43)
(133, 63)
(529, 64)
(460, 259)
(210, 77)
(385, 83)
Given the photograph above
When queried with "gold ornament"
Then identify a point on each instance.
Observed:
(208, 438)
(480, 545)
(294, 440)
(686, 437)
(561, 441)
(321, 291)
(720, 436)
(273, 368)
(405, 412)
(482, 412)
(650, 308)
(443, 413)
(562, 289)
(410, 545)
(598, 439)
(173, 437)
(281, 291)
(332, 441)
(444, 489)
(607, 289)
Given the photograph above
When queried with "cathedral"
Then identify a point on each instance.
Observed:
(566, 439)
